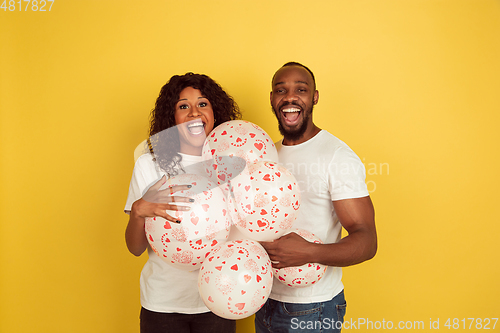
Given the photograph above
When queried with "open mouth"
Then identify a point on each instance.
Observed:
(196, 127)
(291, 114)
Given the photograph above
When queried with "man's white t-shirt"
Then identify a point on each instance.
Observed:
(326, 170)
(164, 288)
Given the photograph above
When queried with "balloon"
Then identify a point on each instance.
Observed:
(236, 279)
(305, 275)
(243, 140)
(206, 225)
(264, 201)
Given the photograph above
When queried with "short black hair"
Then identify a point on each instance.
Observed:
(293, 63)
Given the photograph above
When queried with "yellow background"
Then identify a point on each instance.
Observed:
(412, 86)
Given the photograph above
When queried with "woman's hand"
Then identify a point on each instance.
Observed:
(156, 202)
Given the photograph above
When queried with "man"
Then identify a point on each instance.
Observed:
(333, 195)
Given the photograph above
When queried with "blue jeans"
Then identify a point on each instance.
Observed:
(279, 317)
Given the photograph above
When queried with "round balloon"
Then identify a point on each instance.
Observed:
(232, 145)
(186, 244)
(236, 279)
(264, 201)
(305, 275)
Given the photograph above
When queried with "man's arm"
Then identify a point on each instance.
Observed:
(357, 216)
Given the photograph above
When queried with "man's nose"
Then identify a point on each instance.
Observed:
(291, 96)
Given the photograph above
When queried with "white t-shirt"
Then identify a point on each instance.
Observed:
(326, 170)
(164, 288)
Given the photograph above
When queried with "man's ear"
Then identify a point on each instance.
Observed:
(316, 97)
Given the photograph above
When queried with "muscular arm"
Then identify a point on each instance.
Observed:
(358, 219)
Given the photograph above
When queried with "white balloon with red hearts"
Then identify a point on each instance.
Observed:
(236, 279)
(264, 201)
(305, 275)
(246, 142)
(186, 244)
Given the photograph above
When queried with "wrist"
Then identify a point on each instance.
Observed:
(135, 211)
(316, 252)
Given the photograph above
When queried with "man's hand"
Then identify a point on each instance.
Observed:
(357, 216)
(289, 251)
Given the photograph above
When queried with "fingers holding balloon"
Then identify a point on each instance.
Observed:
(160, 194)
(288, 250)
(272, 249)
(201, 222)
(145, 209)
(161, 211)
(177, 188)
(304, 275)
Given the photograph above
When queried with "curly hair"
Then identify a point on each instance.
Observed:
(165, 145)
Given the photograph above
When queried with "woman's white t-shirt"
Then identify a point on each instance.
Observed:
(164, 288)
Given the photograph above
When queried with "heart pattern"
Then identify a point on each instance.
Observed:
(200, 229)
(305, 275)
(245, 141)
(236, 279)
(265, 202)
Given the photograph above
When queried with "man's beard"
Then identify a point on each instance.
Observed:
(296, 133)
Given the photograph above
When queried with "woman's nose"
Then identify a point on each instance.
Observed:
(194, 111)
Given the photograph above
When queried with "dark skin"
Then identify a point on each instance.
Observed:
(357, 218)
(191, 106)
(154, 203)
(293, 84)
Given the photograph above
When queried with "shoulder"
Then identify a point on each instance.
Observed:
(336, 153)
(145, 165)
(144, 160)
(327, 138)
(334, 144)
(328, 147)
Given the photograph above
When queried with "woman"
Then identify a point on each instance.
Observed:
(188, 108)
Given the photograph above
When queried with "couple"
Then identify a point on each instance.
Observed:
(195, 104)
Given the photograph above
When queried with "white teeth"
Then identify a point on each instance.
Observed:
(196, 127)
(291, 110)
(198, 123)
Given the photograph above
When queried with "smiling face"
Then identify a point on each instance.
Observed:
(293, 97)
(194, 118)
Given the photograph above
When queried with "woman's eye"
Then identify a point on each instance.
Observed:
(203, 104)
(183, 106)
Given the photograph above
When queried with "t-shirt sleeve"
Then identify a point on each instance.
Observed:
(139, 183)
(346, 175)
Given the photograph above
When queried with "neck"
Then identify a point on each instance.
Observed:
(311, 131)
(190, 150)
